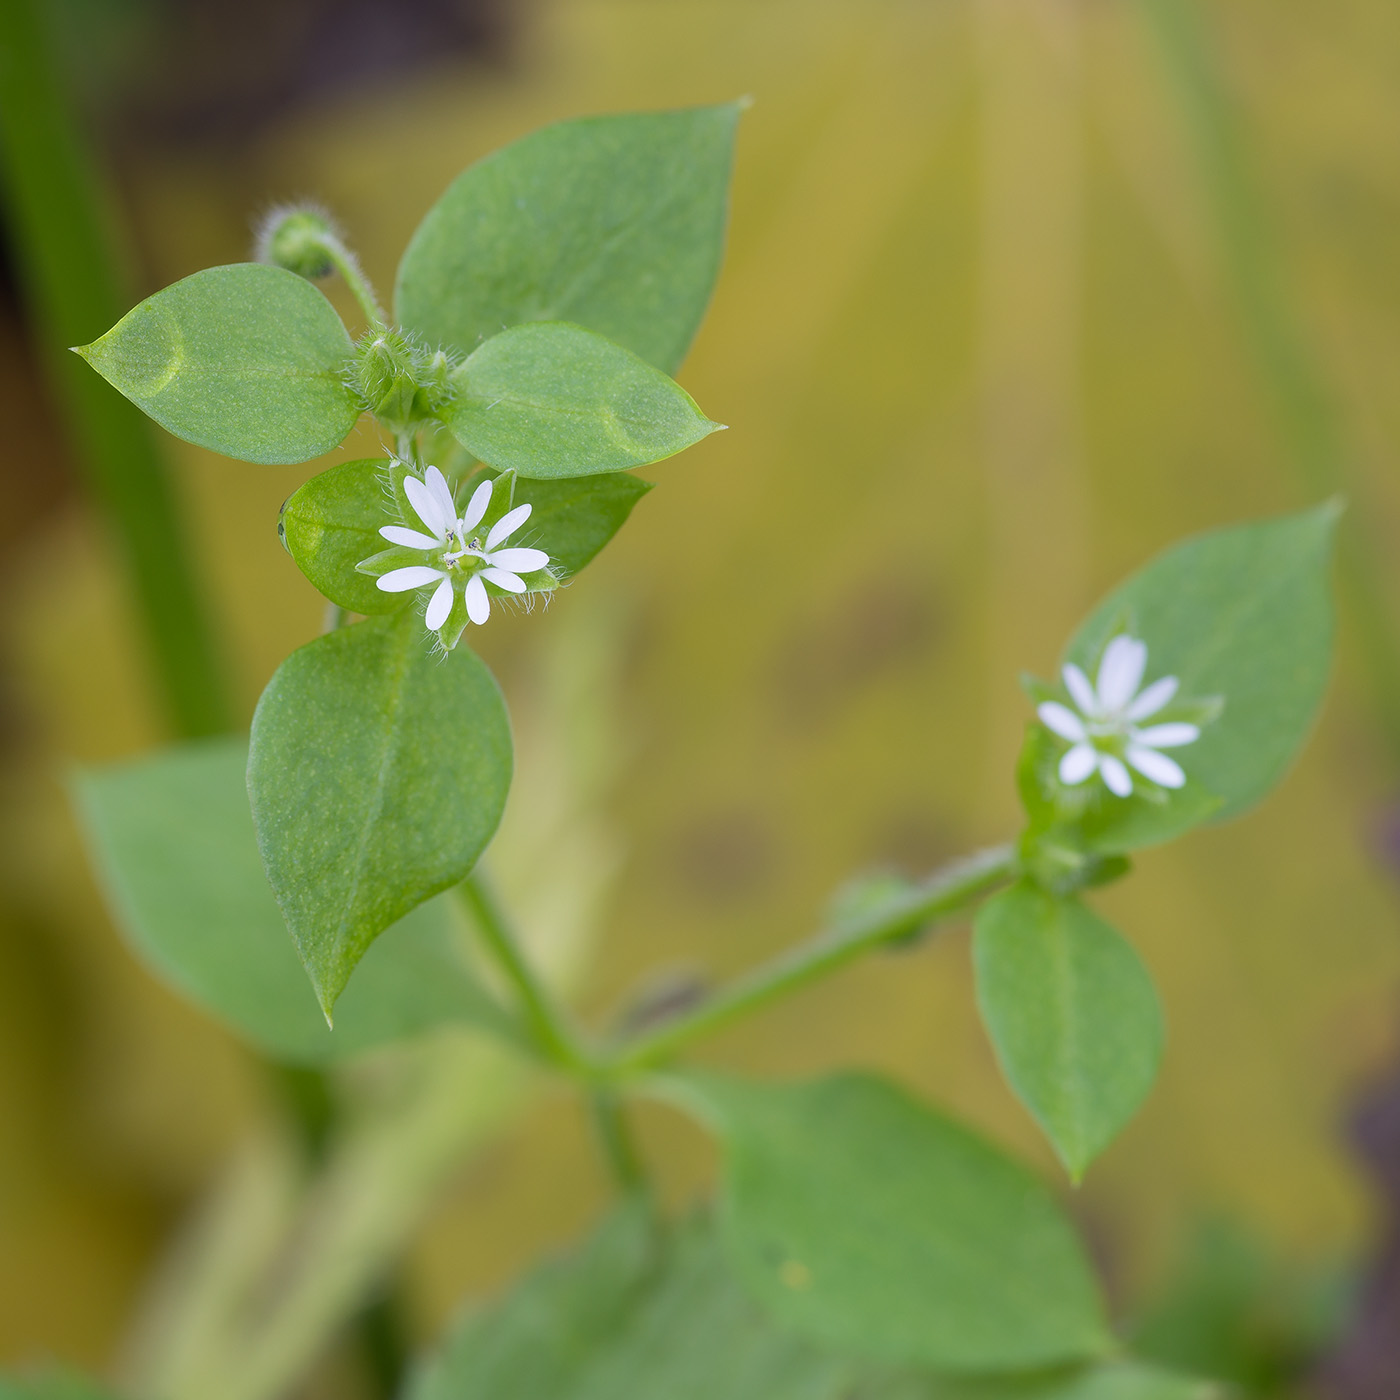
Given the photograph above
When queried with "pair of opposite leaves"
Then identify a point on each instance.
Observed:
(378, 775)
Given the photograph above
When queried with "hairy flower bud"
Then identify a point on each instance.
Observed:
(296, 237)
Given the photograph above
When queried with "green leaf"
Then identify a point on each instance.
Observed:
(638, 1311)
(573, 519)
(332, 523)
(554, 400)
(871, 1224)
(378, 772)
(1113, 1380)
(1073, 1015)
(614, 222)
(172, 839)
(1241, 616)
(246, 359)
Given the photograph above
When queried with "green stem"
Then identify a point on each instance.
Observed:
(348, 265)
(62, 243)
(615, 1138)
(943, 894)
(548, 1025)
(1307, 418)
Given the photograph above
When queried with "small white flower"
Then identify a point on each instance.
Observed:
(1104, 732)
(459, 557)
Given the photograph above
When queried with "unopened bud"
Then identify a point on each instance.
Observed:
(296, 238)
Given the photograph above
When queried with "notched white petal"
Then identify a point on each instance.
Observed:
(1061, 720)
(414, 539)
(508, 524)
(1157, 766)
(401, 580)
(1167, 736)
(442, 494)
(1080, 691)
(1158, 694)
(1078, 764)
(426, 506)
(478, 601)
(476, 507)
(1120, 671)
(512, 583)
(1117, 778)
(520, 561)
(439, 605)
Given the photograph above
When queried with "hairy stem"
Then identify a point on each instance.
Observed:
(945, 893)
(348, 265)
(550, 1030)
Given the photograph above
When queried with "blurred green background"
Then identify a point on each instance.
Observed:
(989, 334)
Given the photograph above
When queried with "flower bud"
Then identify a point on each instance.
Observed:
(295, 237)
(385, 378)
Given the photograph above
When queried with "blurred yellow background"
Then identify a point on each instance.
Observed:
(979, 356)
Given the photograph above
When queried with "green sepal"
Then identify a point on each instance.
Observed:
(1073, 1015)
(248, 360)
(551, 400)
(378, 771)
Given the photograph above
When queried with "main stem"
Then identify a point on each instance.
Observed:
(549, 1027)
(944, 893)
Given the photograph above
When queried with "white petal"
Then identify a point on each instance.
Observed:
(1157, 766)
(520, 561)
(1117, 777)
(442, 494)
(1080, 691)
(508, 524)
(478, 603)
(512, 583)
(1153, 698)
(1120, 672)
(439, 605)
(425, 503)
(1166, 736)
(476, 507)
(1061, 720)
(401, 580)
(414, 539)
(1077, 764)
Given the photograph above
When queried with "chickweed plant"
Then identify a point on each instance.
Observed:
(317, 884)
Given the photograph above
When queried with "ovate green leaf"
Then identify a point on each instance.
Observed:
(1243, 618)
(172, 839)
(332, 524)
(573, 519)
(871, 1224)
(378, 772)
(615, 222)
(1073, 1015)
(639, 1311)
(246, 359)
(554, 400)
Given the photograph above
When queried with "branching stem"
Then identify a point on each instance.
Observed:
(942, 894)
(348, 265)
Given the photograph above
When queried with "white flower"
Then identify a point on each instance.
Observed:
(1104, 732)
(458, 556)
